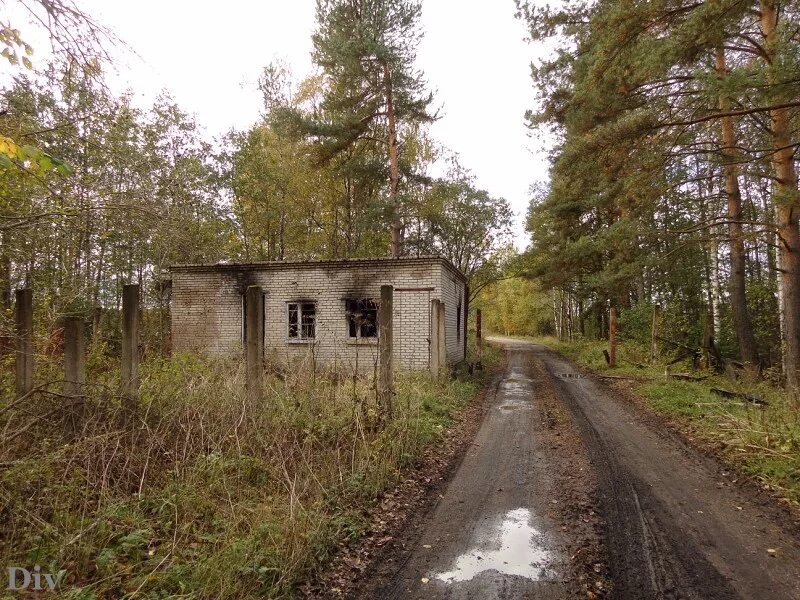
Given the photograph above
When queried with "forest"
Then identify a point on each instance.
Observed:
(674, 187)
(98, 193)
(666, 236)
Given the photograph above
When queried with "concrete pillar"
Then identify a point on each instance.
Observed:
(442, 340)
(74, 373)
(254, 341)
(385, 345)
(24, 334)
(434, 362)
(130, 346)
(478, 339)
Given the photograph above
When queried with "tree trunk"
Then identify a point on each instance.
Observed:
(394, 169)
(787, 209)
(6, 339)
(612, 337)
(716, 288)
(741, 316)
(556, 316)
(654, 333)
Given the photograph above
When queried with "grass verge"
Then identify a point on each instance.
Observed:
(206, 495)
(763, 442)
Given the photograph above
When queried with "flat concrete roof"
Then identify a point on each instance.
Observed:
(277, 265)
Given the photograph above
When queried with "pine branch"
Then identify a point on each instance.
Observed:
(732, 113)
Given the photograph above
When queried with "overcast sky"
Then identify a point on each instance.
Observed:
(209, 55)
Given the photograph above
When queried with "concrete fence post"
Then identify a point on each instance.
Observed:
(478, 339)
(24, 348)
(130, 347)
(74, 373)
(254, 341)
(385, 344)
(434, 344)
(442, 339)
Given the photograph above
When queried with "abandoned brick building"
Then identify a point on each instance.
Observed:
(325, 308)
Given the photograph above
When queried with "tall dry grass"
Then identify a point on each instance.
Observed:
(203, 494)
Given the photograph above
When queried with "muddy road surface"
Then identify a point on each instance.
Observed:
(520, 517)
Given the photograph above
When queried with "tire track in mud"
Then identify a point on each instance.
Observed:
(593, 499)
(517, 520)
(674, 527)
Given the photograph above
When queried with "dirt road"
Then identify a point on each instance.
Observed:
(516, 521)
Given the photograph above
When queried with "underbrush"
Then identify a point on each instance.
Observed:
(205, 494)
(762, 441)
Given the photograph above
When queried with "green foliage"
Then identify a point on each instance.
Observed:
(516, 307)
(466, 225)
(363, 46)
(635, 212)
(370, 97)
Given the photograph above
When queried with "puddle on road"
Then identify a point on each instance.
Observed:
(518, 373)
(516, 393)
(521, 552)
(516, 387)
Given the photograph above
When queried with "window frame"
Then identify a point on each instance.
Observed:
(300, 338)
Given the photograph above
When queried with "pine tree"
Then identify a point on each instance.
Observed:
(367, 49)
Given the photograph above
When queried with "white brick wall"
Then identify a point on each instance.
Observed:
(207, 315)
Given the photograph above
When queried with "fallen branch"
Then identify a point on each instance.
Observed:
(739, 395)
(686, 377)
(632, 377)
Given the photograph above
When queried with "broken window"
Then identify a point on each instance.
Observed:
(362, 318)
(302, 320)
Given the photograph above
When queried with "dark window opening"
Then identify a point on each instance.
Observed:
(302, 320)
(362, 318)
(458, 321)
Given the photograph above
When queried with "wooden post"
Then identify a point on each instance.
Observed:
(442, 340)
(479, 338)
(130, 347)
(254, 341)
(612, 337)
(385, 343)
(74, 373)
(24, 333)
(654, 333)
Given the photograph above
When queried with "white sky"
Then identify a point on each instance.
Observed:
(208, 55)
